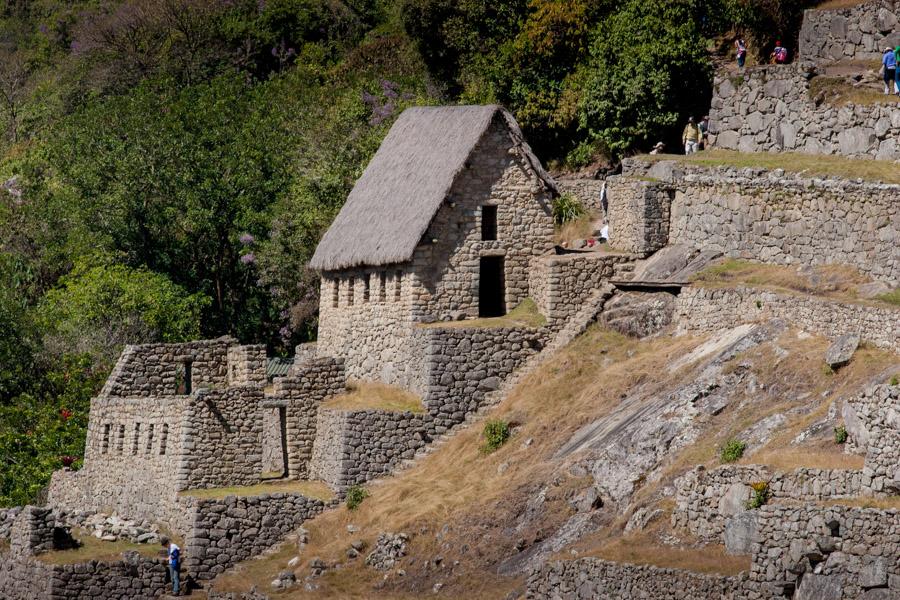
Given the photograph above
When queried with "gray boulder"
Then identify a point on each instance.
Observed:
(841, 350)
(820, 587)
(739, 532)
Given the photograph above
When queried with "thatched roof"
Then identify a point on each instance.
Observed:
(390, 207)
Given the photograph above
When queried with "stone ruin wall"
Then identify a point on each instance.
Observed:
(873, 423)
(586, 190)
(372, 332)
(229, 530)
(701, 309)
(561, 284)
(857, 33)
(760, 215)
(590, 578)
(770, 109)
(355, 446)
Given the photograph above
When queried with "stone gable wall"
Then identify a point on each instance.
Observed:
(856, 33)
(769, 109)
(700, 309)
(560, 284)
(638, 215)
(590, 578)
(356, 446)
(229, 530)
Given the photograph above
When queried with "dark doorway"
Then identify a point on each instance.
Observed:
(491, 287)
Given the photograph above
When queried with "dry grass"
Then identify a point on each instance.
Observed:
(375, 396)
(644, 549)
(838, 282)
(838, 4)
(807, 164)
(310, 489)
(580, 229)
(525, 315)
(886, 503)
(838, 92)
(790, 459)
(95, 549)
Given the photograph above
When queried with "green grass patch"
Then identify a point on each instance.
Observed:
(310, 489)
(375, 396)
(732, 451)
(892, 298)
(812, 165)
(355, 496)
(495, 434)
(96, 549)
(525, 315)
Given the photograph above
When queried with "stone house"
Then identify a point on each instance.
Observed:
(442, 225)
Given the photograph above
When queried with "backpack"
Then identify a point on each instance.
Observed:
(781, 54)
(175, 557)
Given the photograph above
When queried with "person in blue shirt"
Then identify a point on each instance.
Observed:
(896, 70)
(889, 66)
(173, 553)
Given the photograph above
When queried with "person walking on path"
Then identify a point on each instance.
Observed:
(889, 67)
(741, 52)
(691, 137)
(704, 133)
(173, 553)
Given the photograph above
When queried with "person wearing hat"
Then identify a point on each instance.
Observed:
(889, 67)
(659, 148)
(691, 137)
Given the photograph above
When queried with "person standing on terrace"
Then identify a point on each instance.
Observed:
(741, 52)
(889, 68)
(691, 137)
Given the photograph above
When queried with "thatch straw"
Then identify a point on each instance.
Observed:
(392, 204)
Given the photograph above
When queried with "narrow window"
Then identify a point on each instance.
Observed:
(335, 293)
(188, 377)
(351, 283)
(137, 438)
(120, 444)
(488, 223)
(104, 444)
(163, 439)
(149, 448)
(382, 286)
(398, 285)
(367, 286)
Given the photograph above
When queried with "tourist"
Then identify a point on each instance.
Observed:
(691, 137)
(780, 54)
(659, 148)
(704, 133)
(173, 553)
(741, 52)
(897, 70)
(889, 68)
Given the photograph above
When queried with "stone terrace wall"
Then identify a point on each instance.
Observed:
(707, 499)
(25, 578)
(769, 109)
(590, 578)
(311, 380)
(856, 33)
(227, 531)
(855, 548)
(873, 421)
(154, 369)
(355, 446)
(7, 516)
(638, 215)
(714, 309)
(586, 190)
(460, 366)
(560, 284)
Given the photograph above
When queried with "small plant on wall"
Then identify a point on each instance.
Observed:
(761, 495)
(732, 451)
(840, 434)
(495, 435)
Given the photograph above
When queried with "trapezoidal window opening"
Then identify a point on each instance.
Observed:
(104, 443)
(382, 286)
(335, 293)
(137, 439)
(398, 285)
(149, 447)
(488, 223)
(184, 384)
(120, 444)
(351, 283)
(163, 439)
(367, 287)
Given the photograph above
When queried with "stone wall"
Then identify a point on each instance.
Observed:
(560, 284)
(700, 309)
(638, 215)
(586, 190)
(25, 578)
(770, 109)
(355, 446)
(366, 316)
(247, 364)
(590, 578)
(229, 530)
(855, 33)
(836, 552)
(873, 422)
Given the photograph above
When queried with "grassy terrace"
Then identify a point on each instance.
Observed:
(378, 396)
(524, 315)
(838, 282)
(95, 549)
(310, 489)
(807, 164)
(838, 92)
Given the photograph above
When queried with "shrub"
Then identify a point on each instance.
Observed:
(895, 380)
(355, 495)
(827, 370)
(840, 434)
(567, 208)
(761, 494)
(495, 435)
(732, 451)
